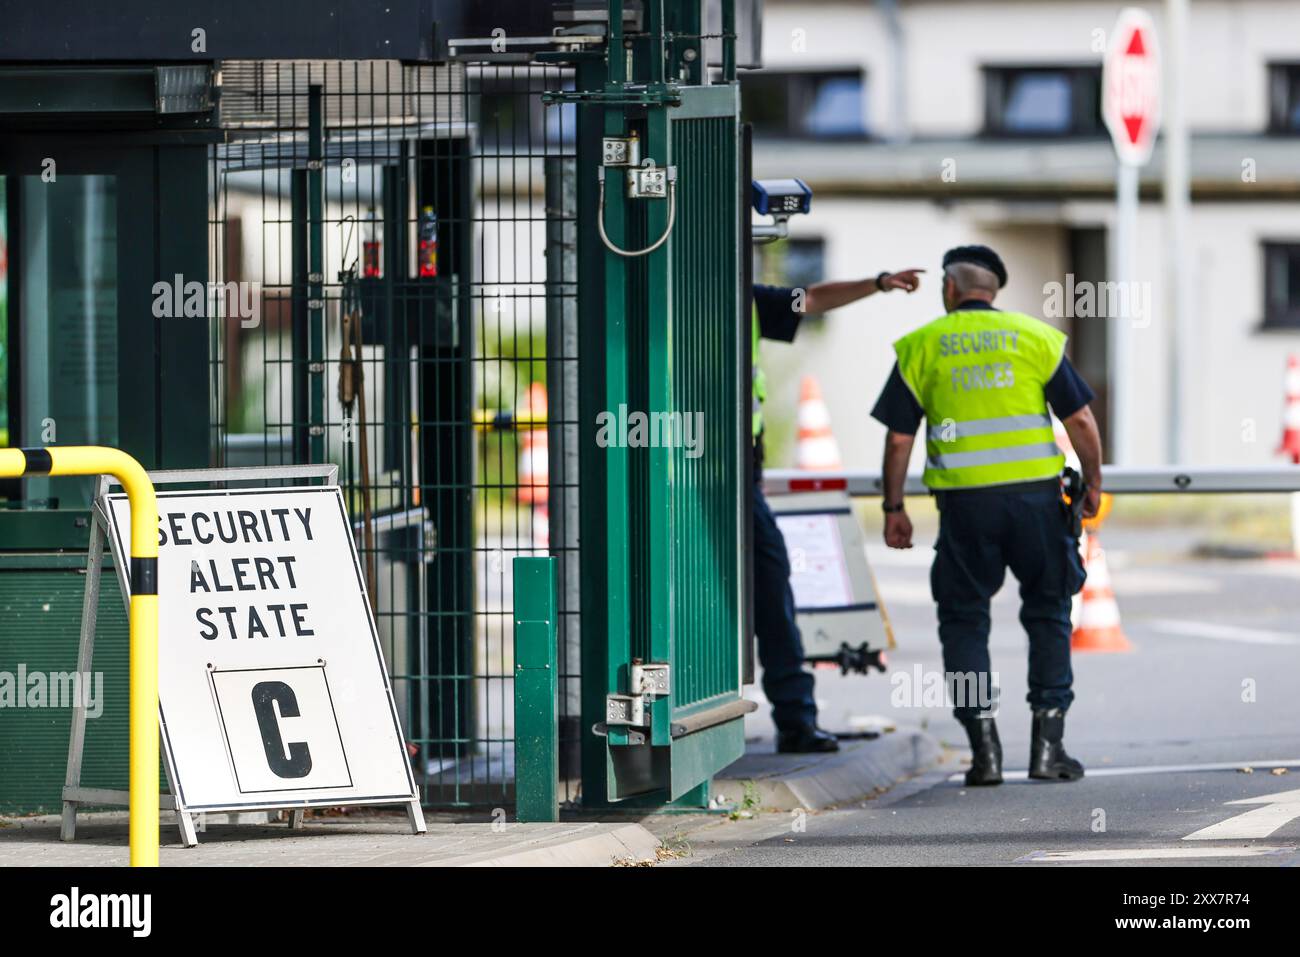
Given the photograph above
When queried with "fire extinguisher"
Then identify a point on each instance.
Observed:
(370, 247)
(428, 261)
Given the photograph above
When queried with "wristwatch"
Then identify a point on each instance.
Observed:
(880, 282)
(890, 509)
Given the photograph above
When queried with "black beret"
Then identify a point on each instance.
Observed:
(980, 256)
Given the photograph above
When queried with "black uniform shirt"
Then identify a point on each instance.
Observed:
(777, 318)
(898, 410)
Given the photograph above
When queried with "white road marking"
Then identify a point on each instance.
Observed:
(1279, 809)
(1202, 629)
(1104, 772)
(1151, 854)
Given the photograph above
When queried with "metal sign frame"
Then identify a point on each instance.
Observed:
(74, 794)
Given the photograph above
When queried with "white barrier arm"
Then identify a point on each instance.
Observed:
(1194, 479)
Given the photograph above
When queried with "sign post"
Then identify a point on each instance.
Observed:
(1131, 110)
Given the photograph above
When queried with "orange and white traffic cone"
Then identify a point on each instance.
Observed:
(534, 462)
(1099, 628)
(1290, 444)
(816, 449)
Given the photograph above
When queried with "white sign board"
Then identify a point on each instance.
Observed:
(819, 574)
(836, 600)
(272, 687)
(1130, 87)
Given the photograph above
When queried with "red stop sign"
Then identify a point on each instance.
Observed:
(1130, 86)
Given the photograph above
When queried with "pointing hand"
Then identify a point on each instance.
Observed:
(908, 279)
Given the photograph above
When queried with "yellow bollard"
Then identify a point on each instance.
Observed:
(143, 616)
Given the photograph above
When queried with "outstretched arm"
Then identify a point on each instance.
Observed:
(825, 296)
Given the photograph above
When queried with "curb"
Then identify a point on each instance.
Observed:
(364, 843)
(584, 845)
(859, 769)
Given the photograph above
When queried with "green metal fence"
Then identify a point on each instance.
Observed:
(429, 207)
(397, 251)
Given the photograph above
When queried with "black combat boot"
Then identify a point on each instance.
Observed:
(1047, 758)
(985, 751)
(806, 739)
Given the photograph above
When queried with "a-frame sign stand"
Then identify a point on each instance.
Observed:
(74, 794)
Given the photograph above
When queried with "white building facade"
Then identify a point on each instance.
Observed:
(925, 124)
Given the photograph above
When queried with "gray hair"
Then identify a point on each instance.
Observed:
(968, 277)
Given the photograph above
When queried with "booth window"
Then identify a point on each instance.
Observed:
(1284, 98)
(1282, 285)
(4, 316)
(65, 287)
(1042, 101)
(819, 105)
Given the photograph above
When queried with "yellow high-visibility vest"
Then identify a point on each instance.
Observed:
(979, 376)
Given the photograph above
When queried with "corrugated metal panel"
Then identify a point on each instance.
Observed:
(705, 584)
(40, 622)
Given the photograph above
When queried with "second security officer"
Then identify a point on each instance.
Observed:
(777, 314)
(983, 380)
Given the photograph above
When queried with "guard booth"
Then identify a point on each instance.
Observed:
(243, 234)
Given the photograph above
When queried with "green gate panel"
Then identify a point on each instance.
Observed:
(704, 364)
(697, 757)
(40, 625)
(682, 352)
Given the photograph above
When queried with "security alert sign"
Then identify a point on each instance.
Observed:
(272, 686)
(1130, 87)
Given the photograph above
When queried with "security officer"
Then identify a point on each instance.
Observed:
(983, 379)
(776, 315)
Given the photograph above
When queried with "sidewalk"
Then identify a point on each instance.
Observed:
(377, 841)
(760, 781)
(860, 769)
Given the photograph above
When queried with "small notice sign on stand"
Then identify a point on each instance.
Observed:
(837, 604)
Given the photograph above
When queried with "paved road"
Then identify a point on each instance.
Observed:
(1164, 730)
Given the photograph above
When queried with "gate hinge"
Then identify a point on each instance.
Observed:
(650, 678)
(625, 710)
(647, 680)
(621, 151)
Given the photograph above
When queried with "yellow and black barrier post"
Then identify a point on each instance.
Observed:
(143, 616)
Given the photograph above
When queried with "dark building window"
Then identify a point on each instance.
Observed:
(794, 263)
(824, 105)
(1284, 97)
(1042, 101)
(4, 319)
(790, 262)
(511, 117)
(1282, 285)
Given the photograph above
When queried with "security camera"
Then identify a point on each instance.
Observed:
(780, 199)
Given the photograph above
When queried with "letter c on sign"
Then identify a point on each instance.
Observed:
(266, 695)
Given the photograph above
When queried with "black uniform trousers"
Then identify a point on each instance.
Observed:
(780, 646)
(982, 533)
